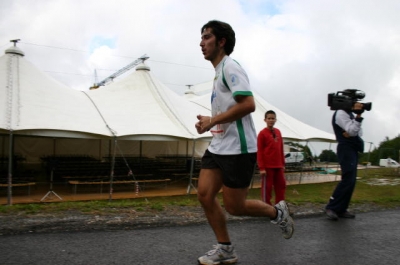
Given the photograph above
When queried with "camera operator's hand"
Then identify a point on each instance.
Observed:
(358, 108)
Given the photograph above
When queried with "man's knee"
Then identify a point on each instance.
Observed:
(202, 197)
(206, 198)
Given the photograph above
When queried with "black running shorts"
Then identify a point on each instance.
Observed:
(237, 170)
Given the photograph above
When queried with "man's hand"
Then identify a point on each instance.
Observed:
(346, 134)
(358, 108)
(204, 124)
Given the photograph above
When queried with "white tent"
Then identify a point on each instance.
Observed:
(291, 128)
(138, 108)
(141, 107)
(135, 109)
(31, 103)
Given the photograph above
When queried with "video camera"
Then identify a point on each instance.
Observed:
(346, 99)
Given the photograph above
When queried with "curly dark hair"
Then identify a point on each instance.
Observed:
(222, 30)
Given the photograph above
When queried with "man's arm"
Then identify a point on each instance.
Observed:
(282, 150)
(244, 106)
(352, 127)
(260, 151)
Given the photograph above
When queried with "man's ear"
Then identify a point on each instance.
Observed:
(222, 42)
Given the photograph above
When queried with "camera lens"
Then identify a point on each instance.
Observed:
(367, 106)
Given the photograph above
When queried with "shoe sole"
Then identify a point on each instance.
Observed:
(290, 221)
(229, 261)
(291, 234)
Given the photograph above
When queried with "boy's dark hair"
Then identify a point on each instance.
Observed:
(269, 112)
(222, 30)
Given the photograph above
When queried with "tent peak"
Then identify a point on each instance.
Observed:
(142, 67)
(14, 50)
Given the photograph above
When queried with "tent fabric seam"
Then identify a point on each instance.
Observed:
(114, 133)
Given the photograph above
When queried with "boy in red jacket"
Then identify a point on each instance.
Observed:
(271, 160)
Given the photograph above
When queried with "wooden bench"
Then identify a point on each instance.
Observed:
(27, 184)
(75, 183)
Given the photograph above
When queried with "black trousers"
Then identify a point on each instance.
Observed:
(348, 159)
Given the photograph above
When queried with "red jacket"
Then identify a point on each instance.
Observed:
(269, 150)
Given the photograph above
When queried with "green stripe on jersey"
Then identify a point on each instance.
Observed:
(242, 137)
(242, 93)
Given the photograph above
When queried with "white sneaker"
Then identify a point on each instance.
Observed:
(284, 220)
(221, 254)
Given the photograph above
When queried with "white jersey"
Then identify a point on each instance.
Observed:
(237, 137)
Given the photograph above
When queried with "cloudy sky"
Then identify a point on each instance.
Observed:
(295, 52)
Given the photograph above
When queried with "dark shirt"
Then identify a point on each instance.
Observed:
(344, 121)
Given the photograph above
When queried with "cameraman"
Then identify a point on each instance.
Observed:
(347, 128)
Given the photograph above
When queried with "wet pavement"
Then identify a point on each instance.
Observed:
(371, 238)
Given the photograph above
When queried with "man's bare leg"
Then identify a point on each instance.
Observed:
(235, 203)
(210, 183)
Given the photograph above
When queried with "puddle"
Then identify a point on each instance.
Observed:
(382, 182)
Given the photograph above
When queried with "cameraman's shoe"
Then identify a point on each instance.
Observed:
(332, 215)
(346, 214)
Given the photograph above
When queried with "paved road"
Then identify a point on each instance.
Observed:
(372, 238)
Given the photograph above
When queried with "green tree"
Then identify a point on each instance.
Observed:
(387, 148)
(328, 156)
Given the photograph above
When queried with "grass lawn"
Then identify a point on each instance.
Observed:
(386, 194)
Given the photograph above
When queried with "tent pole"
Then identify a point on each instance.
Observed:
(109, 149)
(54, 147)
(191, 170)
(112, 169)
(140, 155)
(302, 167)
(100, 158)
(9, 178)
(2, 146)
